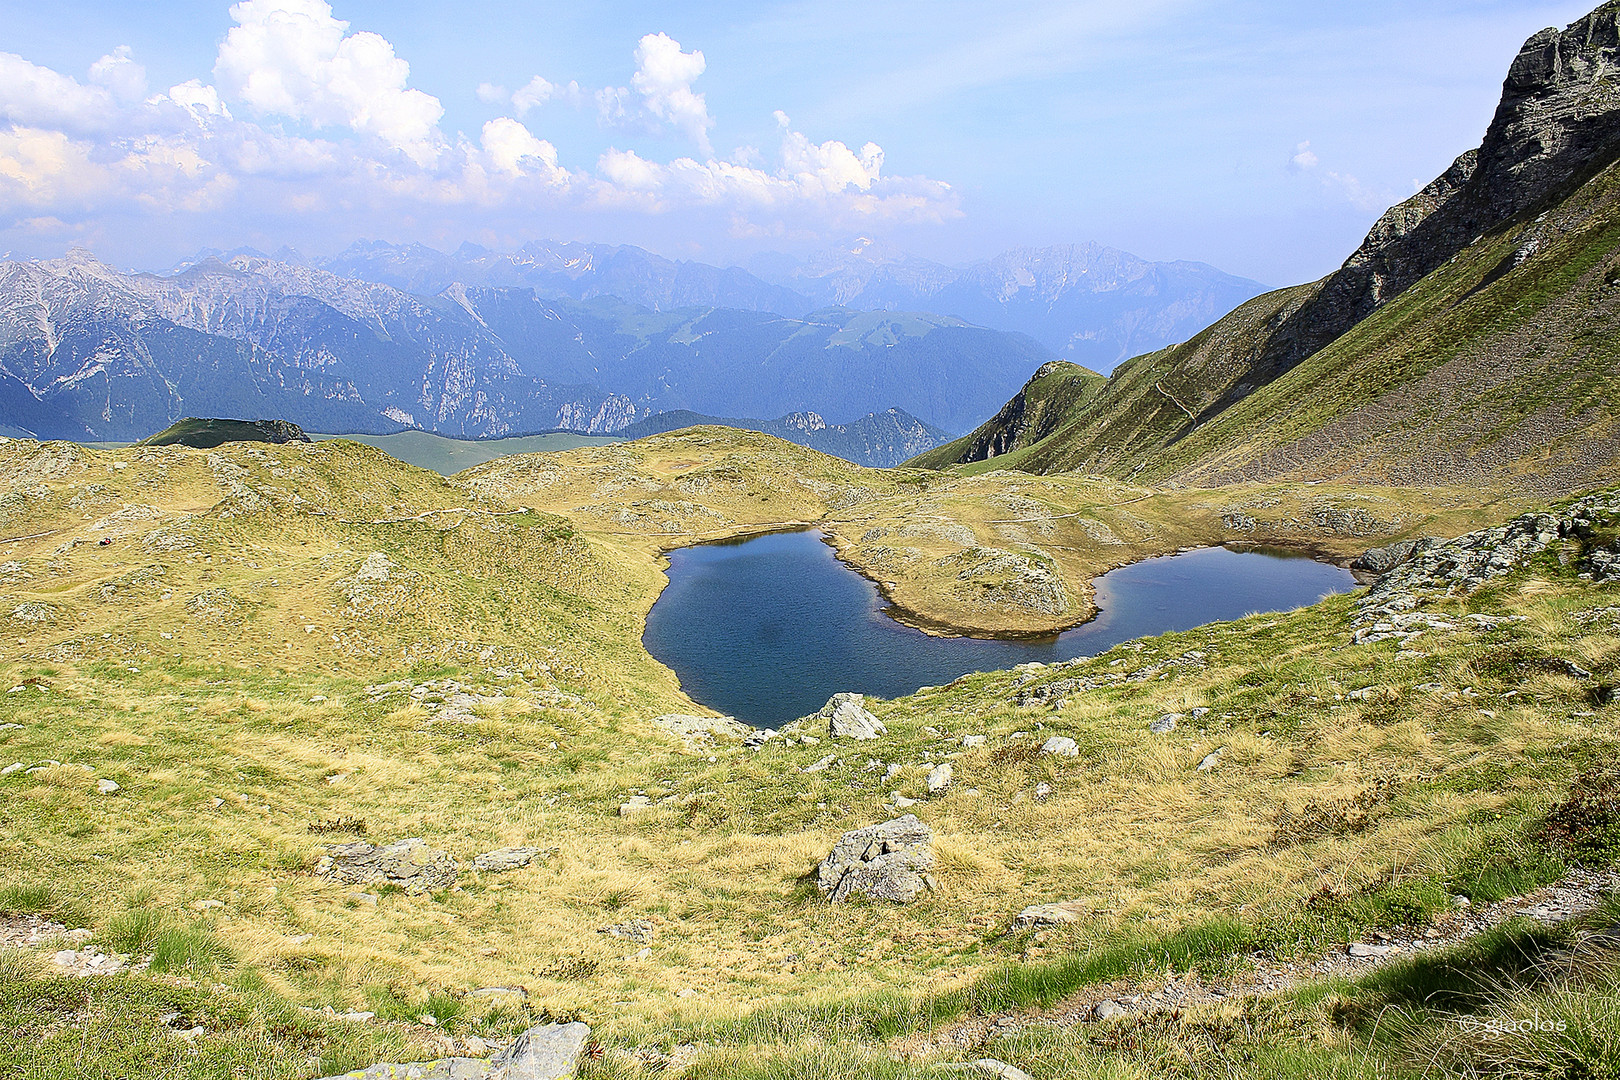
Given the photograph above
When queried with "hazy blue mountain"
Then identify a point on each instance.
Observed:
(1090, 304)
(568, 270)
(118, 356)
(1095, 306)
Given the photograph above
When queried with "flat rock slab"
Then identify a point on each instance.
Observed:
(503, 859)
(1060, 914)
(408, 863)
(701, 729)
(882, 862)
(548, 1052)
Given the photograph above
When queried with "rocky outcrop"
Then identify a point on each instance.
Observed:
(547, 1052)
(846, 717)
(409, 864)
(881, 862)
(1389, 610)
(1382, 560)
(993, 578)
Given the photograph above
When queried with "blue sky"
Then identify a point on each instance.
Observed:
(1262, 137)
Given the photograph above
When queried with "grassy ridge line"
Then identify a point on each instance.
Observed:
(930, 541)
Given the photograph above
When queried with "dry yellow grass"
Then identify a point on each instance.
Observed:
(227, 692)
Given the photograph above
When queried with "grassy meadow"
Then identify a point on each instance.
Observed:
(283, 648)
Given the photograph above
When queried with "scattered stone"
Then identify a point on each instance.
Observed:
(107, 787)
(1109, 1010)
(901, 802)
(1000, 1070)
(821, 765)
(498, 991)
(1362, 951)
(939, 778)
(635, 804)
(760, 737)
(846, 718)
(1059, 914)
(972, 742)
(1165, 724)
(882, 862)
(88, 962)
(408, 863)
(503, 859)
(697, 731)
(15, 766)
(639, 931)
(1211, 759)
(1061, 745)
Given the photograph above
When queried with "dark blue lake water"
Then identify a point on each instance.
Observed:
(767, 629)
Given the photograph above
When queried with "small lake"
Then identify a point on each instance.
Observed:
(766, 629)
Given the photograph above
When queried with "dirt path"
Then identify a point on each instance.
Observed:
(1577, 894)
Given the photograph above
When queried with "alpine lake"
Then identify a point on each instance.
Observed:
(767, 628)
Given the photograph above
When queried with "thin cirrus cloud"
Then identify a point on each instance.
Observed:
(303, 115)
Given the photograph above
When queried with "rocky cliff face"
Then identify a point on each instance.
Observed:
(1555, 127)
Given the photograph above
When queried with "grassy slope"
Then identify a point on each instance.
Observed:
(1055, 391)
(184, 673)
(1505, 360)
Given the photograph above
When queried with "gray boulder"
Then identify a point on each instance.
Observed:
(1000, 1070)
(882, 862)
(1061, 745)
(408, 863)
(1382, 560)
(846, 718)
(548, 1052)
(1165, 724)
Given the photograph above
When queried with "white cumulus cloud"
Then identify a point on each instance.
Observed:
(119, 73)
(664, 77)
(34, 95)
(293, 58)
(202, 102)
(515, 150)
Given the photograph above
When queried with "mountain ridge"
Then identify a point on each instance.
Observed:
(1465, 338)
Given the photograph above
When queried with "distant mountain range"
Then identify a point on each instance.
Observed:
(1472, 338)
(1089, 304)
(88, 352)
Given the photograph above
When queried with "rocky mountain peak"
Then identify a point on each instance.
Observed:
(1557, 124)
